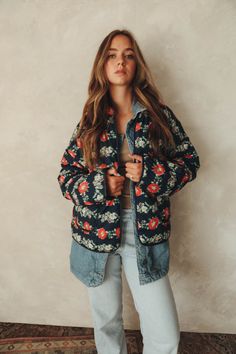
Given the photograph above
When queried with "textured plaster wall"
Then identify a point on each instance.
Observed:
(47, 50)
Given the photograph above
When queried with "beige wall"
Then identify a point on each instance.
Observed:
(47, 50)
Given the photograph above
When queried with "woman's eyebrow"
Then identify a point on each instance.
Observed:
(124, 49)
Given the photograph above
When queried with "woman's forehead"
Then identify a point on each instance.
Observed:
(119, 40)
(115, 49)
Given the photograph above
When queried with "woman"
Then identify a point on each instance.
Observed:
(127, 156)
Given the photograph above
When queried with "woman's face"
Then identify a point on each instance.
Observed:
(121, 58)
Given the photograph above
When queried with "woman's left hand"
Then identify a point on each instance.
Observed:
(134, 169)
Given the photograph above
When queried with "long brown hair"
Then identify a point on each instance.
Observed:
(94, 115)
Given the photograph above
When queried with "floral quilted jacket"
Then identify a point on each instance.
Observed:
(96, 216)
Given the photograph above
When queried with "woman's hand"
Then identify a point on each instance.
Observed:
(114, 182)
(134, 169)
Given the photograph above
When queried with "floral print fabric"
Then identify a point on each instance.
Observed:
(96, 216)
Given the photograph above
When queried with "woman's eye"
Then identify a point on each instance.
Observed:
(129, 56)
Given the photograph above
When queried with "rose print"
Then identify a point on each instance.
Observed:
(87, 226)
(103, 165)
(137, 127)
(118, 232)
(115, 164)
(64, 162)
(110, 202)
(185, 179)
(67, 196)
(138, 191)
(159, 169)
(83, 187)
(153, 223)
(153, 188)
(102, 233)
(88, 203)
(61, 179)
(75, 163)
(104, 136)
(71, 153)
(166, 213)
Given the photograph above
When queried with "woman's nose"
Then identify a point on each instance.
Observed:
(120, 61)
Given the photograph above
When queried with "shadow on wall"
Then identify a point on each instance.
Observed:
(186, 241)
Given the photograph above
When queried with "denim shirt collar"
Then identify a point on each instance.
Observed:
(136, 108)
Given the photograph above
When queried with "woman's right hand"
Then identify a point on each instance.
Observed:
(114, 182)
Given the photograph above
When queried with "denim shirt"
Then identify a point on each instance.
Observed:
(152, 261)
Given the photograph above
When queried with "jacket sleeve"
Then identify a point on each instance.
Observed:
(164, 178)
(77, 183)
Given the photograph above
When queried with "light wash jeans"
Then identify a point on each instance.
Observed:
(154, 303)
